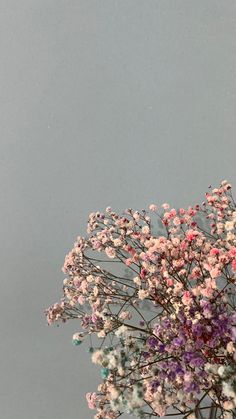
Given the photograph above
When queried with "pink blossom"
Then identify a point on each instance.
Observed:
(170, 282)
(214, 251)
(215, 272)
(81, 299)
(232, 252)
(186, 298)
(210, 282)
(207, 292)
(191, 234)
(176, 221)
(111, 253)
(173, 212)
(91, 399)
(233, 265)
(128, 262)
(153, 207)
(165, 206)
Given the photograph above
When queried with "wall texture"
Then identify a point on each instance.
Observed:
(119, 103)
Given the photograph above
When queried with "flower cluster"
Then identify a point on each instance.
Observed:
(163, 332)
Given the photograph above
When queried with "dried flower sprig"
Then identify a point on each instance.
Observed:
(177, 356)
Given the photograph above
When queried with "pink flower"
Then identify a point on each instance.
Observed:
(211, 283)
(91, 399)
(233, 265)
(145, 230)
(232, 252)
(111, 253)
(153, 207)
(173, 212)
(214, 251)
(81, 299)
(207, 292)
(191, 235)
(196, 273)
(176, 221)
(169, 282)
(128, 262)
(196, 291)
(165, 206)
(215, 272)
(206, 266)
(143, 273)
(186, 299)
(84, 286)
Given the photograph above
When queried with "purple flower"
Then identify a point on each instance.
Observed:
(152, 341)
(146, 355)
(197, 329)
(155, 384)
(189, 356)
(161, 348)
(192, 387)
(197, 362)
(179, 341)
(233, 333)
(179, 370)
(234, 317)
(162, 375)
(166, 323)
(199, 344)
(192, 311)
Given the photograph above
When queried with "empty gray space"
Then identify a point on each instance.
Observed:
(120, 103)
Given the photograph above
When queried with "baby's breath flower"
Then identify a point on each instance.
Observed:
(160, 306)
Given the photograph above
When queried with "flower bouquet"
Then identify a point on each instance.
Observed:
(154, 291)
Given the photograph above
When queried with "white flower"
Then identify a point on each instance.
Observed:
(230, 347)
(78, 336)
(114, 392)
(125, 315)
(121, 371)
(228, 405)
(137, 280)
(142, 294)
(101, 334)
(122, 331)
(145, 230)
(66, 281)
(153, 207)
(97, 357)
(117, 242)
(221, 370)
(228, 390)
(212, 368)
(112, 360)
(229, 225)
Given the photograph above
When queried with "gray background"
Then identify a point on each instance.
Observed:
(119, 103)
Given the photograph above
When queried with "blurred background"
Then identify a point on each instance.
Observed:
(119, 103)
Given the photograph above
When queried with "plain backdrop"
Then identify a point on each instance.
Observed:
(121, 103)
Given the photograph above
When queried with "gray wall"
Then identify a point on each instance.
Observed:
(117, 103)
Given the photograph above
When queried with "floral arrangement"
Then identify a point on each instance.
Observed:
(158, 309)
